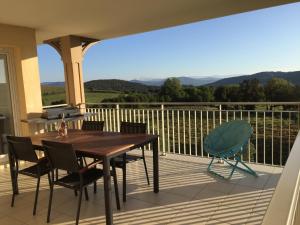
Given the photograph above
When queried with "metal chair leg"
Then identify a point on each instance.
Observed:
(114, 173)
(95, 187)
(145, 166)
(36, 195)
(86, 194)
(15, 184)
(78, 207)
(50, 203)
(49, 179)
(56, 174)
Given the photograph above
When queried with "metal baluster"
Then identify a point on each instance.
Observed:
(264, 137)
(190, 133)
(178, 128)
(110, 119)
(256, 136)
(163, 129)
(249, 146)
(201, 132)
(183, 123)
(168, 131)
(173, 131)
(281, 138)
(272, 137)
(106, 120)
(157, 128)
(195, 127)
(289, 132)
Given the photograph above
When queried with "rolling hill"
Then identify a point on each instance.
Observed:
(118, 85)
(263, 77)
(194, 81)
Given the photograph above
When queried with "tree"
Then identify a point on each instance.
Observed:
(251, 91)
(227, 94)
(200, 94)
(172, 90)
(280, 90)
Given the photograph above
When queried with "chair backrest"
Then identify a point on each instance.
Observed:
(21, 148)
(230, 136)
(133, 128)
(61, 156)
(92, 125)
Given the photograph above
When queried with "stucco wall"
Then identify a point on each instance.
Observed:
(22, 41)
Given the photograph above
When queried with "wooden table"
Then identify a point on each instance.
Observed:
(104, 146)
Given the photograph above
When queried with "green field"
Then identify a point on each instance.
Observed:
(56, 95)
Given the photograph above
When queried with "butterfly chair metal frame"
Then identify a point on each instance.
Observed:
(21, 149)
(62, 156)
(234, 151)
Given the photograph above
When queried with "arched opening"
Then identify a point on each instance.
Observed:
(52, 76)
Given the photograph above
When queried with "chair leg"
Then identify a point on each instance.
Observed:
(36, 195)
(78, 207)
(124, 177)
(116, 186)
(145, 166)
(95, 187)
(50, 202)
(15, 184)
(56, 174)
(86, 194)
(49, 179)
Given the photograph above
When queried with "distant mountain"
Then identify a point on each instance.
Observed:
(118, 85)
(194, 81)
(55, 84)
(263, 77)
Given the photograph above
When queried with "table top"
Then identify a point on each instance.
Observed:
(96, 143)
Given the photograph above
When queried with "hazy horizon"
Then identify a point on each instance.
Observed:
(241, 44)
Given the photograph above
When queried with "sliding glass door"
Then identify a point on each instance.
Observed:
(6, 112)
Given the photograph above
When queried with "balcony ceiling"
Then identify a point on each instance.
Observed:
(104, 19)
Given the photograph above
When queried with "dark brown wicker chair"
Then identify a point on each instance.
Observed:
(131, 128)
(20, 148)
(92, 125)
(62, 156)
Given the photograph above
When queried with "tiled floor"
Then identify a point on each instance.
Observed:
(188, 195)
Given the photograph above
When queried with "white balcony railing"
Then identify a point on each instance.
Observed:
(182, 127)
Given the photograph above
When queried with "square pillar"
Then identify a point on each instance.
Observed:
(71, 49)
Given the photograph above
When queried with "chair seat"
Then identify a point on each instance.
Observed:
(129, 159)
(33, 170)
(73, 180)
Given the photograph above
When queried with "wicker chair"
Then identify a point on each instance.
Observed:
(131, 128)
(62, 156)
(20, 148)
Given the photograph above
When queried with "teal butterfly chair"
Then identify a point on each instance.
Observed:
(229, 140)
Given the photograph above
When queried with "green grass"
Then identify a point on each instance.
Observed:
(51, 95)
(95, 97)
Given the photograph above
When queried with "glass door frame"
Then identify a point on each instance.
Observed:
(12, 81)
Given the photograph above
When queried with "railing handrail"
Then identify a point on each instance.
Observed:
(54, 106)
(193, 103)
(284, 207)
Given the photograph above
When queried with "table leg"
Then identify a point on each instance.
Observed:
(155, 166)
(107, 191)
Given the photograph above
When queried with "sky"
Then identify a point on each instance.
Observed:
(246, 43)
